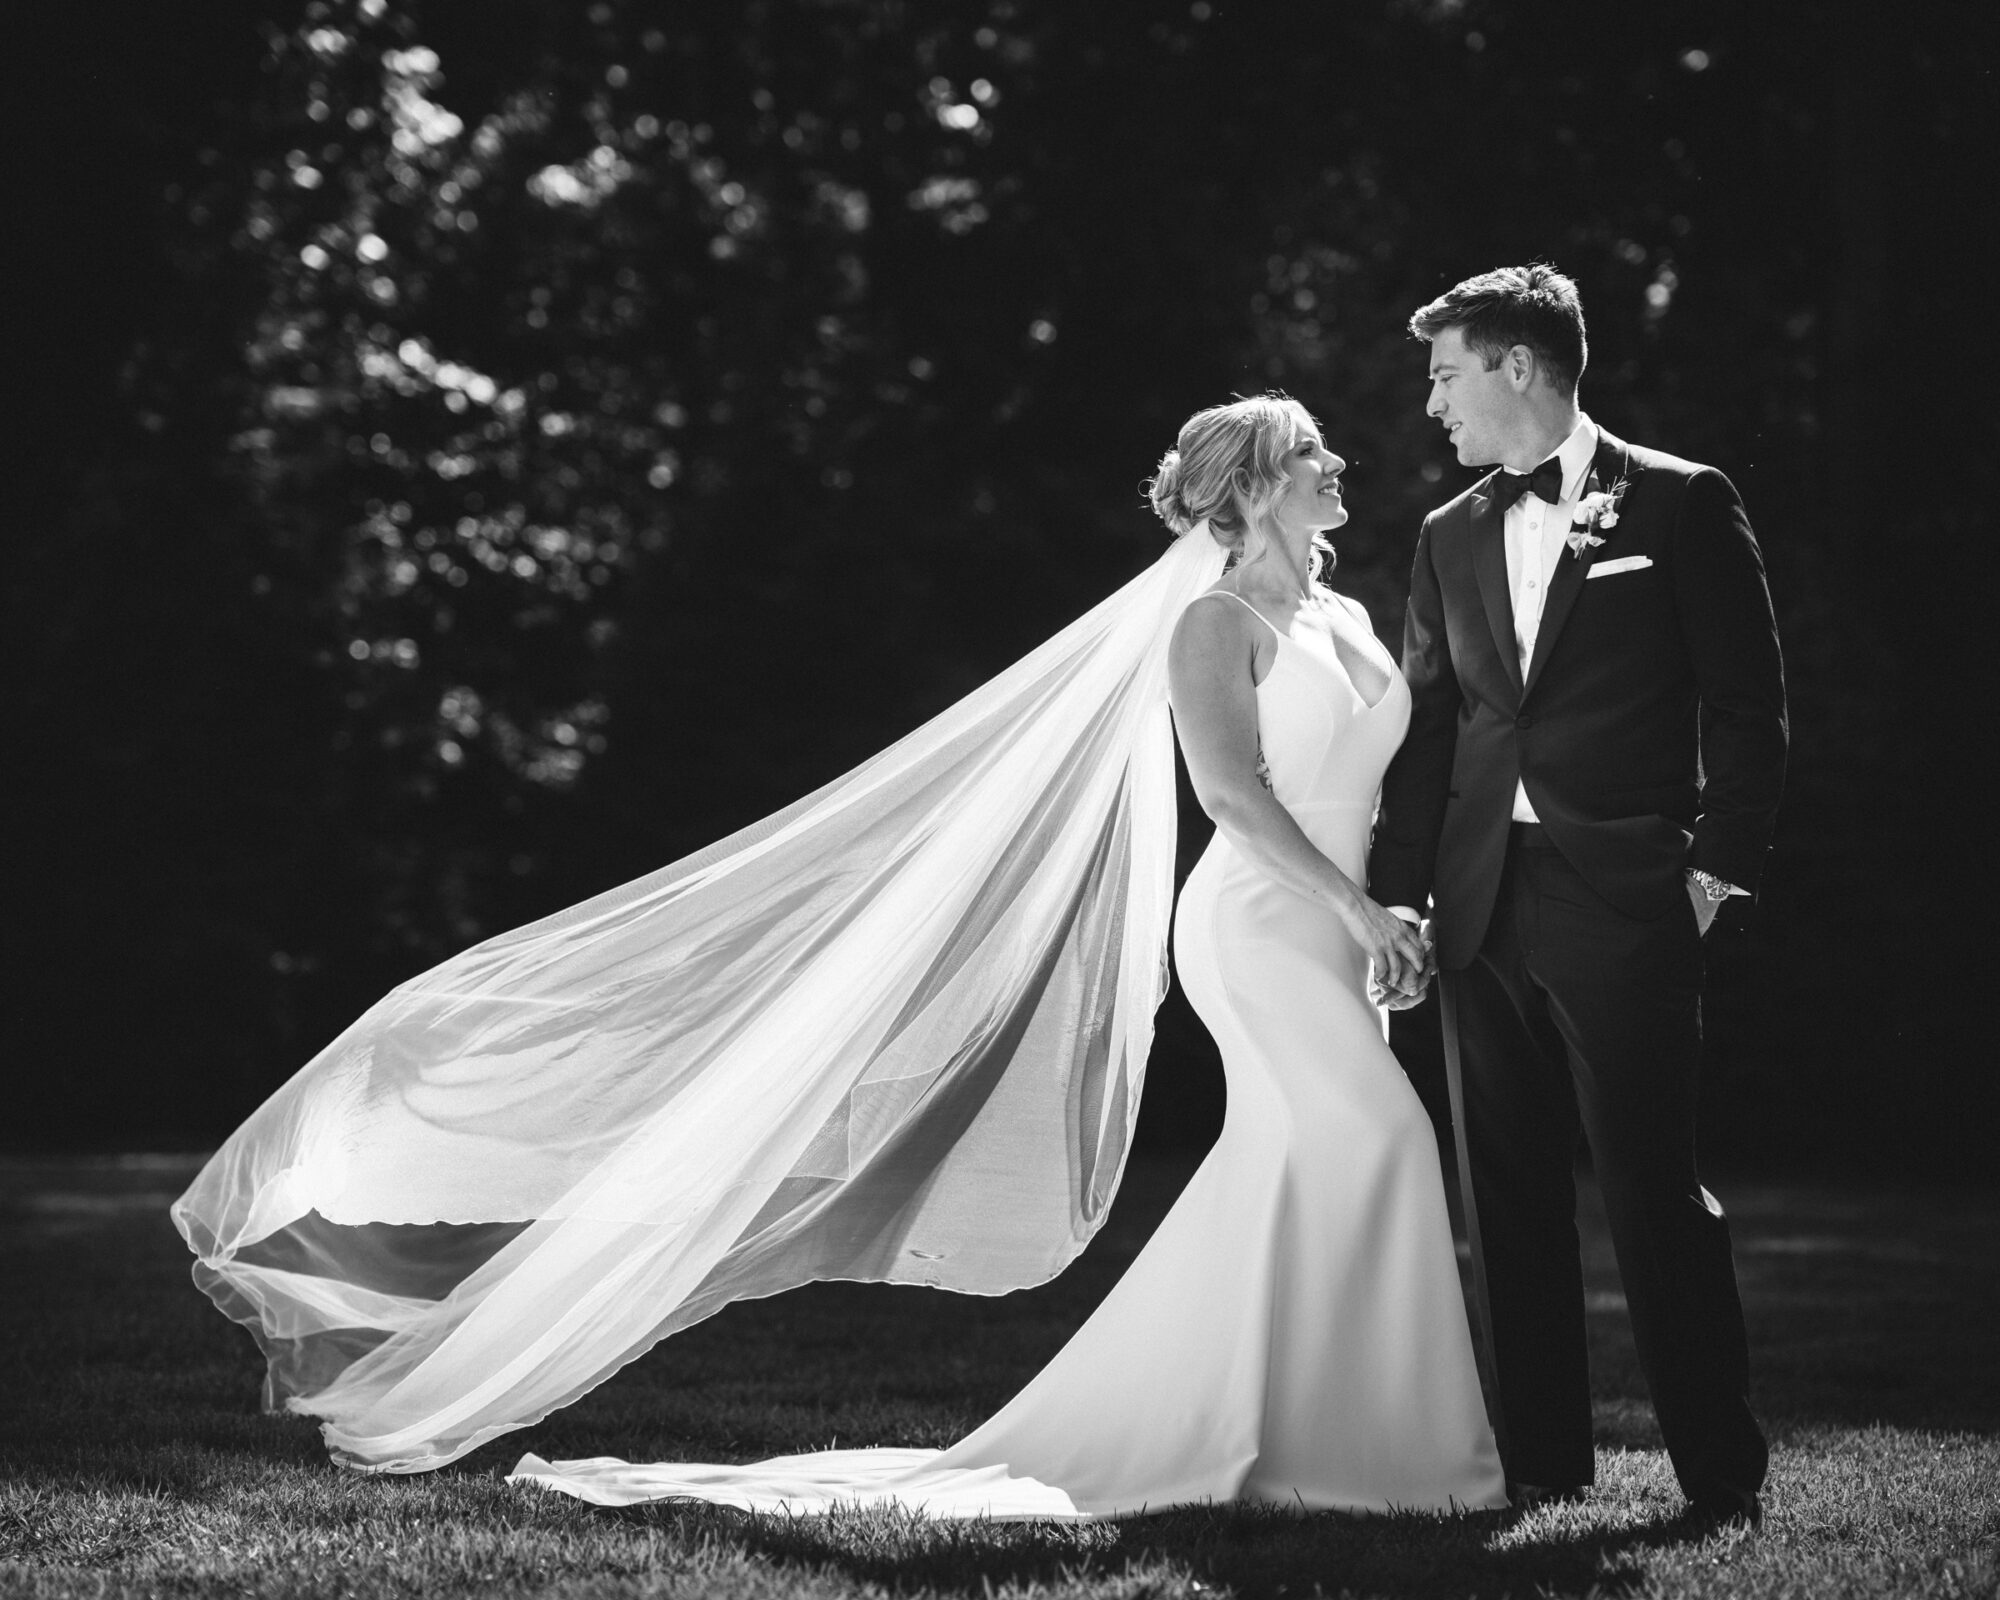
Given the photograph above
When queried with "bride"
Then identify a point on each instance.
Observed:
(897, 1032)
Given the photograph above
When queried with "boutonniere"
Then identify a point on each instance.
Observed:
(1598, 509)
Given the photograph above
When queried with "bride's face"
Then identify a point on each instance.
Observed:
(1310, 501)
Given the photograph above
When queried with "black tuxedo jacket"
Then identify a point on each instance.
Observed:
(1650, 729)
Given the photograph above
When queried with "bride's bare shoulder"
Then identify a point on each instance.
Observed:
(1219, 639)
(1216, 613)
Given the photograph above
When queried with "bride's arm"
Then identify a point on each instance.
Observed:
(1214, 697)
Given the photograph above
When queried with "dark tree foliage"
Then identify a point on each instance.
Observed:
(546, 437)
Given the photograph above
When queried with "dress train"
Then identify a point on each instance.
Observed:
(1294, 1332)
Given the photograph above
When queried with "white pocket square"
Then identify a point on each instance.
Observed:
(1603, 569)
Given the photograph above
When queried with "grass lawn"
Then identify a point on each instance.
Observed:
(133, 1459)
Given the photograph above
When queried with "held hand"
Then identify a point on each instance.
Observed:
(1704, 908)
(1391, 999)
(1399, 961)
(1397, 999)
(1404, 999)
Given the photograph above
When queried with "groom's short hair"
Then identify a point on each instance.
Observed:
(1535, 305)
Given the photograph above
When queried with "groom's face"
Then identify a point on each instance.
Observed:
(1479, 409)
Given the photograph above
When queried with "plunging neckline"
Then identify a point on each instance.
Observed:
(1353, 688)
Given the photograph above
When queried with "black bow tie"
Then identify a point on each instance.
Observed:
(1546, 481)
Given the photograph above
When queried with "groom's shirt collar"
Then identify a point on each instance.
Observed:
(1576, 453)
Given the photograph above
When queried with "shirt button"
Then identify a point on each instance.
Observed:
(1532, 582)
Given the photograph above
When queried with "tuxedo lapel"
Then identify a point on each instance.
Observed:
(1610, 464)
(1489, 566)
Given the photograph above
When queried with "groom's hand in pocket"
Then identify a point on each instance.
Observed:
(1704, 908)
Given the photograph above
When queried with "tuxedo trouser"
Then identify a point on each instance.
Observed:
(1574, 1017)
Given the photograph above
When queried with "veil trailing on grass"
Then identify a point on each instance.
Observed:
(895, 1032)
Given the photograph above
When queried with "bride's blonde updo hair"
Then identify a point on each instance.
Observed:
(1228, 465)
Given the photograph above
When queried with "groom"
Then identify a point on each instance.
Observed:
(1593, 765)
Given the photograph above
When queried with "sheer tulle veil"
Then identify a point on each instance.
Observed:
(896, 1032)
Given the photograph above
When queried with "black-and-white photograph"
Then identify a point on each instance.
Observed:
(952, 798)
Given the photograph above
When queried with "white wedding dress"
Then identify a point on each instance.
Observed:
(1294, 1332)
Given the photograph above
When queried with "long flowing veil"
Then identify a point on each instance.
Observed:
(895, 1032)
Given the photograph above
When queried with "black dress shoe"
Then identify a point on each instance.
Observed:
(1524, 1496)
(1714, 1513)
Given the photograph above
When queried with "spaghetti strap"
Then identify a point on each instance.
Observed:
(1229, 594)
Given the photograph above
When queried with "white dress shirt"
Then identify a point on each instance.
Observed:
(1537, 535)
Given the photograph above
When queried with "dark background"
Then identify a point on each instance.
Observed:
(474, 452)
